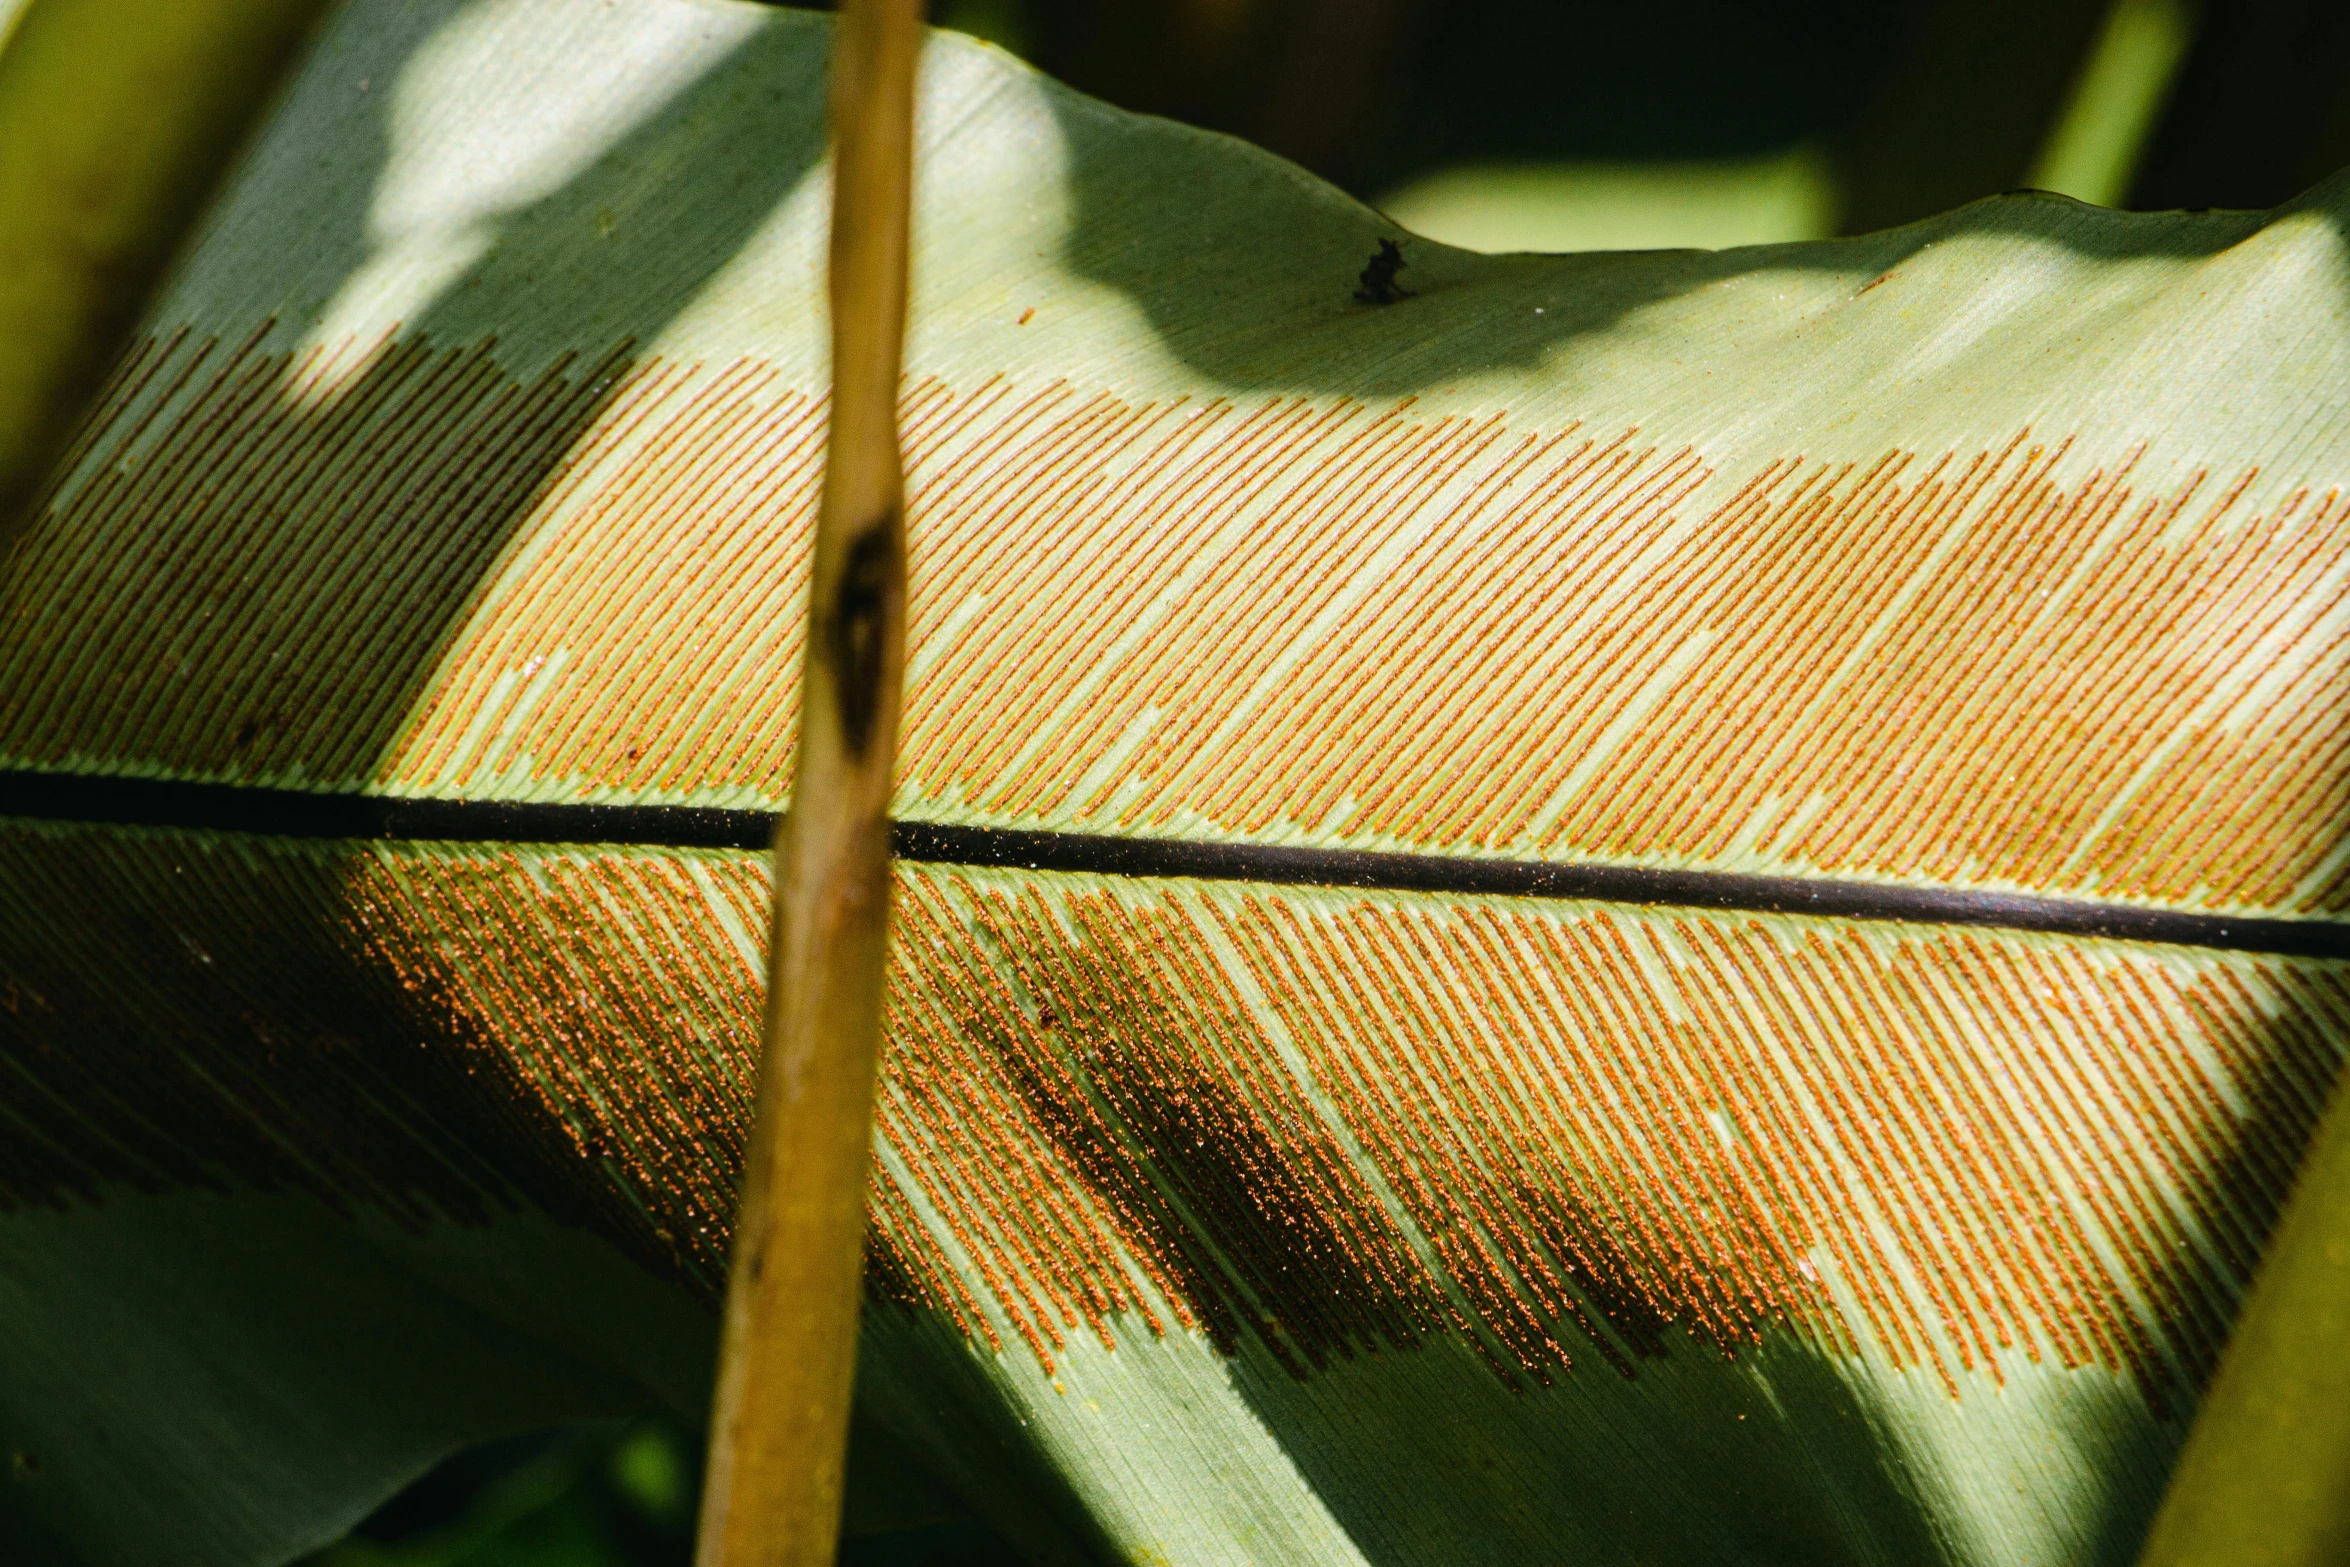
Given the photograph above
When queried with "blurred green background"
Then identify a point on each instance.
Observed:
(1573, 124)
(610, 1495)
(1555, 125)
(613, 1494)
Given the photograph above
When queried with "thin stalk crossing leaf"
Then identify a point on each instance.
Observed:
(779, 1428)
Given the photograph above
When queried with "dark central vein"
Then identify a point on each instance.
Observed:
(287, 813)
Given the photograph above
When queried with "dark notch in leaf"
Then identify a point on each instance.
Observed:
(1378, 278)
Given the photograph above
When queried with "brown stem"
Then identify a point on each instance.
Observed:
(779, 1425)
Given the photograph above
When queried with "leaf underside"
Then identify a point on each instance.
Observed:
(473, 456)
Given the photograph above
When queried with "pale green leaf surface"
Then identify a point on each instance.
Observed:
(252, 1365)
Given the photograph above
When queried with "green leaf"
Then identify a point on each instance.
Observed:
(1248, 1207)
(116, 126)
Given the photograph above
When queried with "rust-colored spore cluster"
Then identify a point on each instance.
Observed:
(2023, 666)
(1314, 1124)
(1325, 1123)
(1341, 1121)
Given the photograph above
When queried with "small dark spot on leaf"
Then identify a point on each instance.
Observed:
(1045, 1018)
(247, 733)
(1026, 316)
(1378, 278)
(1882, 277)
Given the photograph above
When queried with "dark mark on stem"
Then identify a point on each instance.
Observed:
(853, 631)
